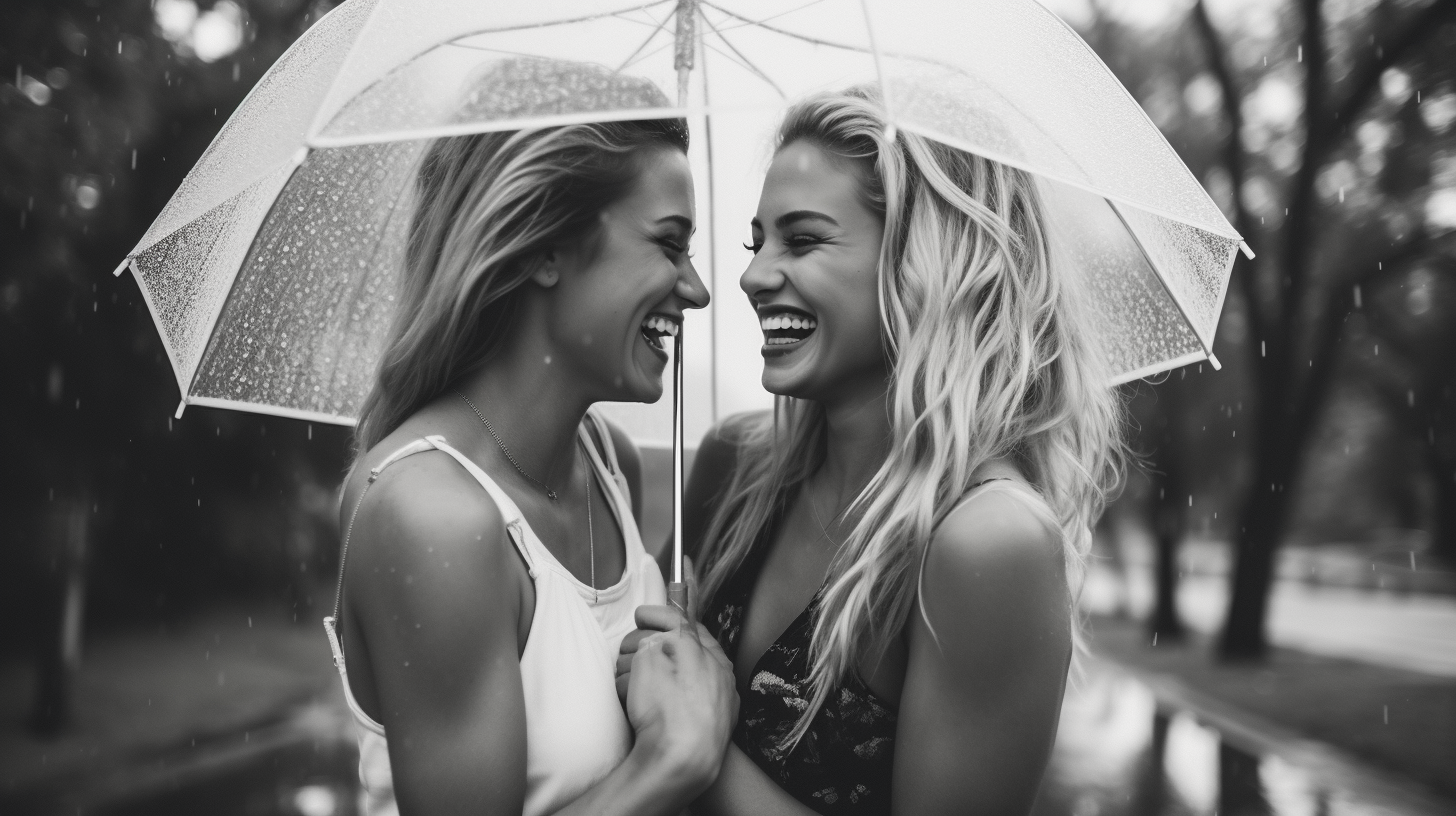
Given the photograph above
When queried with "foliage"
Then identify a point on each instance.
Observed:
(1326, 132)
(109, 105)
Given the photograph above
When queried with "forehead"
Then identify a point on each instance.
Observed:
(664, 187)
(805, 176)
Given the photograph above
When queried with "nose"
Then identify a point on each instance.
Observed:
(761, 277)
(690, 287)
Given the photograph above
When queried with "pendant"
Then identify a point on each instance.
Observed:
(551, 494)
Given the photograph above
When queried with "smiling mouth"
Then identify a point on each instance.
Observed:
(657, 327)
(786, 329)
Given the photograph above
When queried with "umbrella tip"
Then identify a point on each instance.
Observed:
(120, 269)
(1213, 361)
(1248, 253)
(181, 406)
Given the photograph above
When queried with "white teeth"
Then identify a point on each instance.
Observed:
(661, 324)
(781, 322)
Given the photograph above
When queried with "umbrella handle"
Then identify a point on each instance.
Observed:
(677, 589)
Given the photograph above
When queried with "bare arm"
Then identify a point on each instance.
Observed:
(436, 584)
(743, 788)
(979, 709)
(438, 612)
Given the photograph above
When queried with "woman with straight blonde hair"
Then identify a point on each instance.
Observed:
(491, 561)
(891, 558)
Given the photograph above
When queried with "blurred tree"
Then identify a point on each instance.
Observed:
(1353, 93)
(109, 106)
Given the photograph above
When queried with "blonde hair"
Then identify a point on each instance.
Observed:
(488, 204)
(990, 358)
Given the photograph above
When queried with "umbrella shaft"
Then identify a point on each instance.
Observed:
(677, 457)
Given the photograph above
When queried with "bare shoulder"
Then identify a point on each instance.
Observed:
(994, 583)
(428, 534)
(997, 533)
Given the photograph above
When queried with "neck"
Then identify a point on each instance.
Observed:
(857, 442)
(532, 406)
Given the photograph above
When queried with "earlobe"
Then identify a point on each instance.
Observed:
(545, 274)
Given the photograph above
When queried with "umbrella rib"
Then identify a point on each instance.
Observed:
(628, 61)
(747, 63)
(746, 24)
(1162, 279)
(586, 18)
(658, 50)
(775, 29)
(744, 66)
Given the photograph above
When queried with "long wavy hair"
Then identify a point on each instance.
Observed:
(488, 205)
(990, 358)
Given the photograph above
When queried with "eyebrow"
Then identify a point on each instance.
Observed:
(681, 220)
(797, 215)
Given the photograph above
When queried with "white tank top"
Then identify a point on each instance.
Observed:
(576, 731)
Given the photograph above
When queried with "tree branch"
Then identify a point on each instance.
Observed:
(1322, 357)
(1233, 155)
(1366, 78)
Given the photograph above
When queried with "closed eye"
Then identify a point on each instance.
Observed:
(802, 241)
(673, 246)
(754, 247)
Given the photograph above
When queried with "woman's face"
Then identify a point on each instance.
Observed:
(813, 279)
(622, 294)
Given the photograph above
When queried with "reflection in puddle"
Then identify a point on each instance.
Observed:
(1118, 754)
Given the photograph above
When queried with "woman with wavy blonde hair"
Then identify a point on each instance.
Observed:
(891, 558)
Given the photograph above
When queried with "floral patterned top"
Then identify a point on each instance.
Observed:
(843, 763)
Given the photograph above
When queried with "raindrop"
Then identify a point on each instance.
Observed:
(1410, 398)
(1357, 296)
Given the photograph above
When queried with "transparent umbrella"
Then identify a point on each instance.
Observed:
(272, 271)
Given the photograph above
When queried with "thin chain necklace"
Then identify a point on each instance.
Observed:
(591, 538)
(823, 528)
(550, 494)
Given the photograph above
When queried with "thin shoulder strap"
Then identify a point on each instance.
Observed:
(417, 446)
(604, 439)
(509, 512)
(607, 452)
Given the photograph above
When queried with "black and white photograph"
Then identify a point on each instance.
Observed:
(728, 407)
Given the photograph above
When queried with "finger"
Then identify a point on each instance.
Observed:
(623, 684)
(633, 640)
(624, 664)
(658, 617)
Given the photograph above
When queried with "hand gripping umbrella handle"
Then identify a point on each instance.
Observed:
(677, 588)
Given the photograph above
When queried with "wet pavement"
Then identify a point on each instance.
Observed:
(1128, 748)
(1125, 748)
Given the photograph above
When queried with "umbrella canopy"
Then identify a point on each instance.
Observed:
(271, 273)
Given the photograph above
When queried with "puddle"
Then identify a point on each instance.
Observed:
(1119, 753)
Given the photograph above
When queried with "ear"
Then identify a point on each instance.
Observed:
(546, 269)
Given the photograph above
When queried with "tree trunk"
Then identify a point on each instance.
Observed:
(58, 636)
(1263, 517)
(1169, 514)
